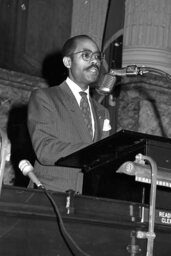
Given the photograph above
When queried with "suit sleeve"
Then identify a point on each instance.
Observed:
(47, 143)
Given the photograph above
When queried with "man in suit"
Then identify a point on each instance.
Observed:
(56, 124)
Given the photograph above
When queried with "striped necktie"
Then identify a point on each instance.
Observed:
(85, 108)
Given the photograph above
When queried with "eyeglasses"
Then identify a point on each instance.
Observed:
(88, 55)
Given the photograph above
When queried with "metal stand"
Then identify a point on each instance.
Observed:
(131, 169)
(150, 235)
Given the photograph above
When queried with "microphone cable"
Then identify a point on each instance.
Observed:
(64, 233)
(27, 170)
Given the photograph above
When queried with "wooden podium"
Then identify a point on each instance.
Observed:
(100, 227)
(101, 160)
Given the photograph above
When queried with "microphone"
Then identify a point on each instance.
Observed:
(27, 169)
(107, 82)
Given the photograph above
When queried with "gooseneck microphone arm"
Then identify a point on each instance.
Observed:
(108, 80)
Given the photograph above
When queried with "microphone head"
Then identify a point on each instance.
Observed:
(106, 83)
(25, 167)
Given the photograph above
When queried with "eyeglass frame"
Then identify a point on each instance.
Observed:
(101, 54)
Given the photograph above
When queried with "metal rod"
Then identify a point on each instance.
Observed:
(150, 234)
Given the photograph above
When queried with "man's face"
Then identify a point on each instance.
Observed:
(84, 70)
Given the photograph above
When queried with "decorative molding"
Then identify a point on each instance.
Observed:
(21, 80)
(150, 57)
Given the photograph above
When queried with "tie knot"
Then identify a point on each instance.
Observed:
(83, 94)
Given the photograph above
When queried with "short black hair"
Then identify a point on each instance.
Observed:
(70, 45)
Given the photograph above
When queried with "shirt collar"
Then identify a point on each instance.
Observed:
(75, 88)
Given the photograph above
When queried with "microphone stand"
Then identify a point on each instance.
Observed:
(150, 235)
(107, 82)
(132, 169)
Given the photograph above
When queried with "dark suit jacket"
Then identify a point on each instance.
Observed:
(57, 129)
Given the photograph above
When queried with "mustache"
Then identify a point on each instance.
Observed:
(93, 66)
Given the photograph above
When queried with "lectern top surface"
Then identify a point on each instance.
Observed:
(104, 151)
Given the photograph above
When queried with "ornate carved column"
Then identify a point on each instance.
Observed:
(88, 17)
(147, 33)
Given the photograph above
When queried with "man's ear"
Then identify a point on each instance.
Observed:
(67, 62)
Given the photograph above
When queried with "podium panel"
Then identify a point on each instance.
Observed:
(99, 226)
